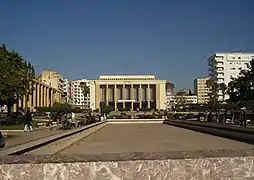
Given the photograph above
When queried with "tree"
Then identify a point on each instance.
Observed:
(242, 87)
(213, 87)
(85, 89)
(180, 99)
(223, 88)
(106, 108)
(16, 78)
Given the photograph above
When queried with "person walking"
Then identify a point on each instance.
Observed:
(28, 121)
(243, 118)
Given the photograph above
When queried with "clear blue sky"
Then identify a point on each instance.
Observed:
(86, 38)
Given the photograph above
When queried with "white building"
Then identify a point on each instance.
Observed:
(201, 90)
(128, 92)
(225, 66)
(184, 99)
(67, 88)
(76, 94)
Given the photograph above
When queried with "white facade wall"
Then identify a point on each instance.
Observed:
(92, 95)
(129, 79)
(188, 99)
(224, 66)
(78, 98)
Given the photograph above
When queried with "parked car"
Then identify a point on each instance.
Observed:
(2, 140)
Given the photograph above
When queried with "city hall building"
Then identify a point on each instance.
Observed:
(128, 92)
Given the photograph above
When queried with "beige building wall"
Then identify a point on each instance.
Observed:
(53, 79)
(128, 92)
(201, 90)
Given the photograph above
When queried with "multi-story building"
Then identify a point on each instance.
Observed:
(225, 66)
(201, 90)
(183, 99)
(77, 95)
(67, 88)
(129, 92)
(169, 94)
(52, 78)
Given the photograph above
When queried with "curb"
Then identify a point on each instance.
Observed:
(12, 130)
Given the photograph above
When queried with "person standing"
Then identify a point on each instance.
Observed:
(28, 121)
(243, 118)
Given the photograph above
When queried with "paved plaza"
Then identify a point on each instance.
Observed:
(124, 138)
(16, 138)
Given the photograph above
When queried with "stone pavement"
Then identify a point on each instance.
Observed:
(16, 138)
(125, 138)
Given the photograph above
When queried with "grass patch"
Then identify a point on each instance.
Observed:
(17, 126)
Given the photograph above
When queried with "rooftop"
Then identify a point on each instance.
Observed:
(127, 77)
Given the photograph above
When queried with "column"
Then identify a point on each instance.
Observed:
(20, 102)
(140, 96)
(38, 96)
(148, 96)
(41, 97)
(24, 102)
(124, 96)
(107, 94)
(115, 96)
(51, 97)
(34, 95)
(132, 97)
(31, 100)
(45, 96)
(48, 100)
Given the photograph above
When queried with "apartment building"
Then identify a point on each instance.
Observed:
(225, 66)
(183, 99)
(77, 95)
(169, 94)
(201, 90)
(67, 89)
(129, 92)
(53, 79)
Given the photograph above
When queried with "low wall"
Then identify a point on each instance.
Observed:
(225, 131)
(141, 166)
(29, 146)
(126, 121)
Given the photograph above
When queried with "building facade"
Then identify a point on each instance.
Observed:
(169, 94)
(183, 99)
(42, 95)
(77, 95)
(67, 89)
(128, 92)
(225, 66)
(201, 90)
(53, 79)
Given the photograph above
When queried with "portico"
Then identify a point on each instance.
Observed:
(128, 92)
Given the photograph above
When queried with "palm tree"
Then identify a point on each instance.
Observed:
(223, 88)
(85, 89)
(214, 87)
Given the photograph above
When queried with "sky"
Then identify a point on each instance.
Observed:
(86, 38)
